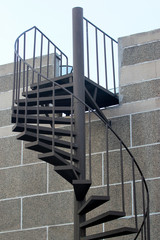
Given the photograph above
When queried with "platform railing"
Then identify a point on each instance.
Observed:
(101, 57)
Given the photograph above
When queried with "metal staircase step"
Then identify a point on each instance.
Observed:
(39, 147)
(60, 80)
(110, 234)
(31, 137)
(31, 119)
(62, 154)
(81, 188)
(43, 92)
(42, 110)
(42, 130)
(102, 218)
(68, 172)
(62, 100)
(66, 155)
(42, 119)
(53, 158)
(92, 203)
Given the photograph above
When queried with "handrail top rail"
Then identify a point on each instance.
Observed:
(34, 27)
(99, 29)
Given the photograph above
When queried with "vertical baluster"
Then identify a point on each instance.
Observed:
(107, 160)
(72, 102)
(17, 69)
(113, 68)
(14, 82)
(142, 233)
(55, 61)
(34, 54)
(19, 86)
(48, 59)
(105, 60)
(53, 115)
(148, 220)
(143, 200)
(38, 81)
(26, 99)
(97, 59)
(67, 64)
(122, 177)
(61, 64)
(41, 52)
(87, 41)
(89, 137)
(24, 58)
(134, 194)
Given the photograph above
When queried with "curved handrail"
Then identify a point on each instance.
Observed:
(17, 73)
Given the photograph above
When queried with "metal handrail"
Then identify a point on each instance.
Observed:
(17, 72)
(98, 56)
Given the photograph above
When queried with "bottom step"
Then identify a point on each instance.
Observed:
(113, 233)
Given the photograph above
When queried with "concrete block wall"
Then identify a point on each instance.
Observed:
(35, 202)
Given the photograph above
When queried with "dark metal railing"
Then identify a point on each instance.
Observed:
(101, 57)
(30, 74)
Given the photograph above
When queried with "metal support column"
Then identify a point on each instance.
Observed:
(79, 109)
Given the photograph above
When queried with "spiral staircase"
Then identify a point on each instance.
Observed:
(44, 111)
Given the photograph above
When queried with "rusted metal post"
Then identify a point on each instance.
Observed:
(79, 108)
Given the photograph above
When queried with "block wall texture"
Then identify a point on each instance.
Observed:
(36, 203)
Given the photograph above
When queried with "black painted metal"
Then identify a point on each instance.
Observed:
(51, 96)
(113, 44)
(79, 110)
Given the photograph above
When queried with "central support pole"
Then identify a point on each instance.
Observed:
(79, 108)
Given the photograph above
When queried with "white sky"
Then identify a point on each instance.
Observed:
(54, 17)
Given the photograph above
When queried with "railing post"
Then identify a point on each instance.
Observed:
(79, 108)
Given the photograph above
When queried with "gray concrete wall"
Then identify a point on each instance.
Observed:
(35, 202)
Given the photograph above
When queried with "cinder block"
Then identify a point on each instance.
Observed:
(96, 169)
(20, 181)
(145, 128)
(141, 91)
(10, 215)
(56, 182)
(6, 100)
(61, 232)
(139, 38)
(5, 117)
(6, 83)
(36, 234)
(154, 195)
(10, 152)
(48, 210)
(30, 156)
(155, 226)
(143, 156)
(115, 202)
(148, 160)
(120, 125)
(139, 72)
(141, 53)
(154, 186)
